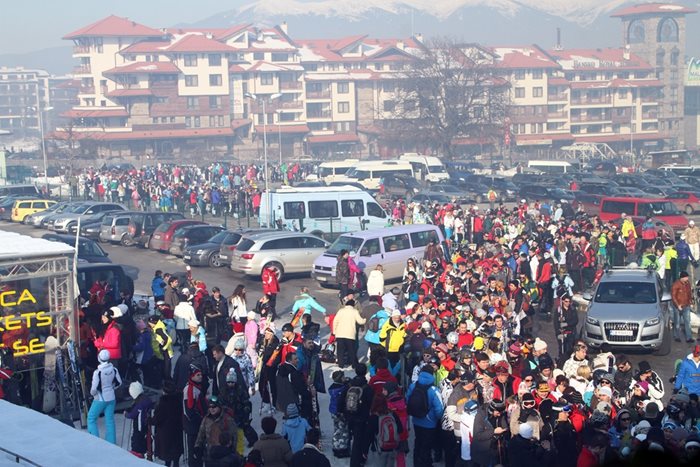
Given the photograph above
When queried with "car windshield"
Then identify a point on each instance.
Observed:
(89, 249)
(245, 244)
(76, 208)
(219, 238)
(626, 292)
(436, 169)
(657, 208)
(345, 243)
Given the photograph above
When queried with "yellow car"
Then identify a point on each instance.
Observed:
(25, 207)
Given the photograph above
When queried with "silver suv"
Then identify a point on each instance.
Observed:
(629, 309)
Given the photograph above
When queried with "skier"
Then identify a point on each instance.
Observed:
(140, 414)
(104, 380)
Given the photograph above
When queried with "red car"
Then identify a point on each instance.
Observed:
(686, 201)
(162, 237)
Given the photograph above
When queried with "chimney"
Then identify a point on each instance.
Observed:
(283, 27)
(626, 52)
(209, 35)
(400, 45)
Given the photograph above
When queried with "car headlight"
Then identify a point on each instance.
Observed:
(652, 321)
(200, 252)
(592, 321)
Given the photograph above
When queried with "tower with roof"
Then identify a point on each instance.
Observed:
(656, 33)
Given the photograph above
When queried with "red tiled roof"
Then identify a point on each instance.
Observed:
(652, 9)
(69, 84)
(239, 123)
(129, 93)
(347, 41)
(617, 138)
(286, 129)
(115, 26)
(95, 113)
(141, 135)
(523, 57)
(558, 81)
(145, 67)
(146, 47)
(335, 138)
(199, 43)
(232, 31)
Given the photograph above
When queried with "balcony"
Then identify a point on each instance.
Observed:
(318, 94)
(81, 49)
(621, 118)
(291, 85)
(82, 70)
(650, 115)
(590, 118)
(561, 97)
(318, 115)
(591, 100)
(87, 89)
(558, 115)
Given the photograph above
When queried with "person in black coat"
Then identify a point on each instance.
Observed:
(167, 420)
(268, 384)
(359, 421)
(291, 387)
(310, 456)
(490, 434)
(222, 363)
(564, 438)
(184, 364)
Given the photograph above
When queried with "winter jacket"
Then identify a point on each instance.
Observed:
(397, 405)
(270, 283)
(274, 449)
(655, 390)
(184, 313)
(482, 438)
(167, 420)
(532, 418)
(454, 406)
(344, 324)
(307, 302)
(435, 407)
(251, 331)
(104, 380)
(689, 375)
(183, 364)
(342, 271)
(238, 308)
(294, 430)
(373, 336)
(194, 400)
(163, 341)
(143, 348)
(139, 413)
(171, 297)
(211, 429)
(111, 340)
(309, 456)
(380, 378)
(200, 337)
(504, 391)
(392, 337)
(375, 283)
(290, 386)
(683, 250)
(692, 234)
(158, 287)
(681, 294)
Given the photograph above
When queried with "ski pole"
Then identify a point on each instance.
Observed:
(121, 443)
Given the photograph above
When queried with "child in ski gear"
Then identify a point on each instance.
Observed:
(294, 428)
(140, 414)
(341, 430)
(386, 427)
(104, 380)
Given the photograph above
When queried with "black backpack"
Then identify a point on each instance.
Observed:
(417, 405)
(373, 323)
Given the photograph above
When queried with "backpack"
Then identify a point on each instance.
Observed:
(527, 309)
(353, 398)
(327, 354)
(373, 323)
(417, 405)
(337, 395)
(388, 434)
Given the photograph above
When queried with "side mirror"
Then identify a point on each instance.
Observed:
(666, 297)
(587, 296)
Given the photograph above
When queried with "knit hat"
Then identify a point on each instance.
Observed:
(471, 406)
(644, 367)
(525, 430)
(104, 355)
(135, 389)
(251, 315)
(395, 312)
(231, 376)
(651, 410)
(497, 404)
(116, 312)
(605, 391)
(527, 397)
(338, 375)
(292, 411)
(539, 345)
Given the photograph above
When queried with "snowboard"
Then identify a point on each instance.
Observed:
(50, 386)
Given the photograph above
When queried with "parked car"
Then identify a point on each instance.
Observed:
(589, 203)
(539, 192)
(228, 246)
(686, 201)
(35, 219)
(401, 187)
(91, 229)
(23, 208)
(7, 204)
(119, 277)
(114, 227)
(628, 192)
(285, 252)
(86, 212)
(142, 226)
(44, 220)
(163, 235)
(191, 235)
(88, 250)
(430, 197)
(20, 190)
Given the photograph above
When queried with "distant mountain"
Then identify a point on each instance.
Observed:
(56, 60)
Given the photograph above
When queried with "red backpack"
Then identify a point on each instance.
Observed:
(388, 435)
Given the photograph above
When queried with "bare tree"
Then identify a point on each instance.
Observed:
(450, 91)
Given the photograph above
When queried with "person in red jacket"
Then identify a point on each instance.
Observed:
(382, 376)
(111, 338)
(544, 282)
(271, 287)
(397, 404)
(593, 449)
(505, 384)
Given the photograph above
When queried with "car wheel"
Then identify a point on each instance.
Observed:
(101, 240)
(126, 240)
(147, 243)
(689, 210)
(24, 221)
(215, 260)
(665, 347)
(277, 267)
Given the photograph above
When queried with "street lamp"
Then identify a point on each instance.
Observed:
(264, 99)
(279, 133)
(40, 113)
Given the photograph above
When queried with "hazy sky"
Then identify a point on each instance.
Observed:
(27, 25)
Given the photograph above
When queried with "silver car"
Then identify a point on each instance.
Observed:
(628, 309)
(285, 252)
(114, 227)
(36, 218)
(86, 212)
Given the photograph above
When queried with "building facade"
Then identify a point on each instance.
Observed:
(22, 93)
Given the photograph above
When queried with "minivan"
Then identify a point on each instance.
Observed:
(612, 208)
(371, 173)
(24, 190)
(114, 227)
(24, 208)
(163, 235)
(142, 225)
(331, 171)
(390, 247)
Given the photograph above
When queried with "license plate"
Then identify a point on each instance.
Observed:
(187, 257)
(223, 258)
(621, 333)
(157, 237)
(321, 278)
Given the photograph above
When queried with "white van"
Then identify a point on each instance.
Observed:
(551, 167)
(426, 168)
(370, 173)
(390, 247)
(329, 172)
(321, 209)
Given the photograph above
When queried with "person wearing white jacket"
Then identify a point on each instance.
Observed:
(184, 313)
(375, 282)
(238, 308)
(104, 380)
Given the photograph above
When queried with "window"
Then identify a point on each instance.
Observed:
(280, 57)
(343, 107)
(389, 106)
(212, 121)
(536, 74)
(258, 56)
(266, 79)
(215, 80)
(352, 208)
(197, 122)
(188, 122)
(519, 74)
(674, 57)
(370, 247)
(374, 210)
(191, 81)
(190, 59)
(388, 87)
(192, 103)
(311, 242)
(214, 59)
(396, 242)
(537, 91)
(618, 207)
(419, 239)
(323, 209)
(214, 102)
(519, 93)
(343, 88)
(294, 210)
(281, 244)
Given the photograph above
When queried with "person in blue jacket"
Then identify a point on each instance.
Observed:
(426, 427)
(307, 302)
(689, 373)
(372, 337)
(158, 286)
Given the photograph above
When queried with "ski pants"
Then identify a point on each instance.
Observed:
(96, 409)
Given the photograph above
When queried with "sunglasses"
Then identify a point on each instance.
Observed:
(528, 380)
(529, 404)
(238, 350)
(606, 383)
